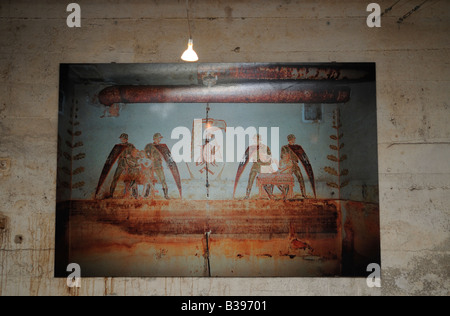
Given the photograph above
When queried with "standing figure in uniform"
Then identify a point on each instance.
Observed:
(291, 161)
(132, 174)
(155, 156)
(145, 184)
(122, 162)
(261, 157)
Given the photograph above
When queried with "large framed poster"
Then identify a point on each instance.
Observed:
(217, 170)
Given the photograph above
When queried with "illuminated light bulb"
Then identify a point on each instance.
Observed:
(190, 55)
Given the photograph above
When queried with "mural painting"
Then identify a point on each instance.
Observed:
(217, 170)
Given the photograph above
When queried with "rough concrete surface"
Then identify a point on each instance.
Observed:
(413, 132)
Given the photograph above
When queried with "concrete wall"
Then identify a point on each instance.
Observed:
(413, 133)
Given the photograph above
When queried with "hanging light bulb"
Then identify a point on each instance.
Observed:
(189, 54)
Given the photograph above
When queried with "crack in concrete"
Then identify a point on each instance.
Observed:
(418, 143)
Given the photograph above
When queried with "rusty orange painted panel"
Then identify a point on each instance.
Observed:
(149, 238)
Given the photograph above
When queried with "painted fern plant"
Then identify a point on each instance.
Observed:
(337, 157)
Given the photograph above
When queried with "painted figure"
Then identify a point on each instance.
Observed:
(291, 155)
(285, 168)
(156, 152)
(125, 149)
(132, 174)
(146, 179)
(155, 156)
(262, 157)
(290, 163)
(260, 154)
